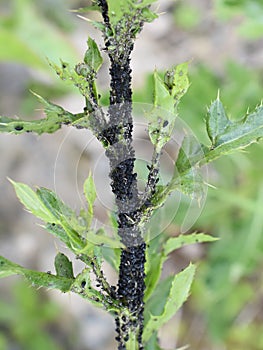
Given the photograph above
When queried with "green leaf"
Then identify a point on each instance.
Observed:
(56, 117)
(93, 57)
(176, 80)
(37, 279)
(189, 154)
(63, 266)
(190, 183)
(19, 126)
(160, 249)
(178, 294)
(112, 256)
(90, 194)
(58, 208)
(83, 287)
(45, 205)
(76, 241)
(167, 95)
(59, 232)
(217, 121)
(228, 136)
(153, 267)
(153, 275)
(174, 243)
(143, 3)
(40, 37)
(120, 10)
(32, 202)
(68, 74)
(152, 343)
(162, 96)
(100, 238)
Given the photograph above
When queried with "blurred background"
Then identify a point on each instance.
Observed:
(223, 39)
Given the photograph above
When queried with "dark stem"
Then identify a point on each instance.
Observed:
(121, 155)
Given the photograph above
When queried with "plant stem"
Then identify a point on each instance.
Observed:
(121, 155)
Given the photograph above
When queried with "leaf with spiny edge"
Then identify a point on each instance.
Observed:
(179, 290)
(56, 116)
(83, 287)
(217, 120)
(33, 203)
(37, 279)
(174, 243)
(70, 76)
(228, 136)
(45, 205)
(161, 250)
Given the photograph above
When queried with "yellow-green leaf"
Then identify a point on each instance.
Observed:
(32, 202)
(179, 291)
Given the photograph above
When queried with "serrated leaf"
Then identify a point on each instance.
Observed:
(45, 205)
(217, 120)
(178, 294)
(235, 135)
(93, 57)
(63, 266)
(174, 243)
(32, 202)
(19, 126)
(38, 279)
(56, 117)
(68, 74)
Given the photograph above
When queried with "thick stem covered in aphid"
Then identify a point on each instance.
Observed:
(121, 156)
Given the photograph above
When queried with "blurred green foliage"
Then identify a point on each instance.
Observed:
(186, 16)
(27, 320)
(249, 11)
(34, 32)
